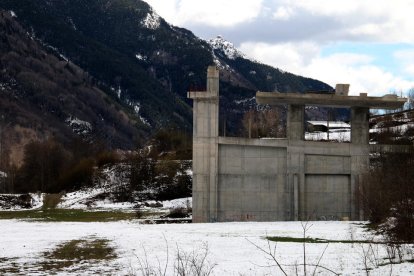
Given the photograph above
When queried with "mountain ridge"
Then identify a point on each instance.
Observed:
(142, 64)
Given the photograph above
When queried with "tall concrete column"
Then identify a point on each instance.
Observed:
(359, 156)
(295, 130)
(360, 125)
(295, 159)
(205, 149)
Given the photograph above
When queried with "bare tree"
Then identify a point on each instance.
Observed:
(265, 123)
(410, 98)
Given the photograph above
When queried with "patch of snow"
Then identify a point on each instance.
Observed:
(151, 21)
(92, 197)
(332, 124)
(3, 174)
(189, 172)
(78, 126)
(400, 130)
(186, 202)
(247, 100)
(340, 135)
(72, 24)
(110, 205)
(232, 246)
(219, 43)
(137, 107)
(13, 14)
(217, 62)
(141, 57)
(118, 91)
(79, 199)
(17, 202)
(52, 48)
(37, 200)
(63, 57)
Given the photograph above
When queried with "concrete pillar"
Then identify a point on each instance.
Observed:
(359, 155)
(295, 197)
(295, 130)
(213, 80)
(205, 149)
(359, 125)
(295, 134)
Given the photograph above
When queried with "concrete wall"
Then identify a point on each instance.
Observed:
(240, 179)
(251, 183)
(276, 179)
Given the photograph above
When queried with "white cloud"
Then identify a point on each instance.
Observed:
(383, 20)
(215, 13)
(290, 34)
(288, 56)
(319, 20)
(305, 59)
(406, 58)
(283, 13)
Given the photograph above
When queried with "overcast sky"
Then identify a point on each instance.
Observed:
(367, 43)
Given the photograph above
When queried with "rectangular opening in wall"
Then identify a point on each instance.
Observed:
(253, 121)
(327, 124)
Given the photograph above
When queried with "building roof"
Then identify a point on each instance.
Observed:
(332, 124)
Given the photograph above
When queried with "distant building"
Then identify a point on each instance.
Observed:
(313, 126)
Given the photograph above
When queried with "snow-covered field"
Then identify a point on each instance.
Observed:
(340, 135)
(231, 247)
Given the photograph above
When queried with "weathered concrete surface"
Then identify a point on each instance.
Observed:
(205, 149)
(333, 100)
(240, 179)
(251, 183)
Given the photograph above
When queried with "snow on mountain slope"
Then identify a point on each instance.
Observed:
(226, 47)
(151, 21)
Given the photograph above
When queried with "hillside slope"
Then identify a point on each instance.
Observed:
(43, 96)
(142, 63)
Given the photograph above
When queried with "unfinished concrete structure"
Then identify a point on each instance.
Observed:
(240, 179)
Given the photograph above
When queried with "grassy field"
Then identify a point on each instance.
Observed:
(68, 215)
(69, 257)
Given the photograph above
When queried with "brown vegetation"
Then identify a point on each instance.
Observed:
(41, 90)
(265, 123)
(388, 194)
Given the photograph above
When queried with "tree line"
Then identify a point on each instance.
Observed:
(158, 171)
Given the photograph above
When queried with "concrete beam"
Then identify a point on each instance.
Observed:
(332, 100)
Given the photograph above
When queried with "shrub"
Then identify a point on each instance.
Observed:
(79, 175)
(107, 157)
(388, 195)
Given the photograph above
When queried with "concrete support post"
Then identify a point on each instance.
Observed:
(295, 134)
(359, 155)
(360, 125)
(295, 130)
(295, 197)
(205, 149)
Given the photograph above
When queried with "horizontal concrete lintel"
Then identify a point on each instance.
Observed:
(258, 175)
(276, 98)
(276, 142)
(202, 95)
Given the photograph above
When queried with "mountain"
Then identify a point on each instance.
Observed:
(141, 65)
(44, 96)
